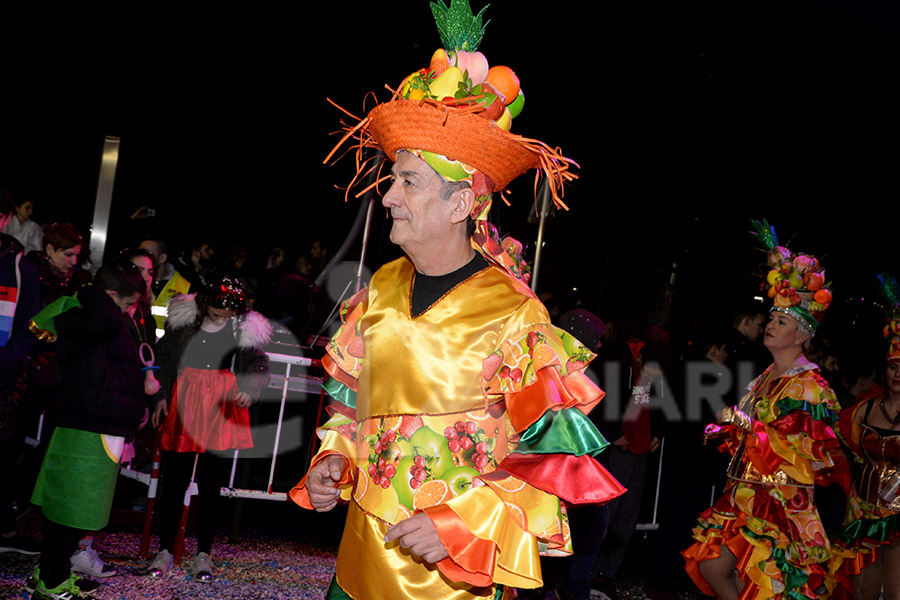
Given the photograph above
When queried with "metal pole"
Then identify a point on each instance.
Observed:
(151, 503)
(365, 241)
(100, 224)
(284, 391)
(545, 209)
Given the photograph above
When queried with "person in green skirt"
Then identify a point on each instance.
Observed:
(101, 406)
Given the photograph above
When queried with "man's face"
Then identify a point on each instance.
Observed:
(153, 248)
(420, 217)
(754, 327)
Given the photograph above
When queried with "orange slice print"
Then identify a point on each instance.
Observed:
(510, 485)
(362, 484)
(431, 493)
(517, 514)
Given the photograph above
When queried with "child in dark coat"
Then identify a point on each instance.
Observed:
(102, 405)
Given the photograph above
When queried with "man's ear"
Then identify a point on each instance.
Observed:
(463, 204)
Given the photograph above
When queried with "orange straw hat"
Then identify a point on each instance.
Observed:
(453, 117)
(459, 134)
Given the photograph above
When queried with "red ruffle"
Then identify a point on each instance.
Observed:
(573, 479)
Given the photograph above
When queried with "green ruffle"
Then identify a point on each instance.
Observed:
(881, 530)
(340, 392)
(819, 412)
(566, 431)
(792, 577)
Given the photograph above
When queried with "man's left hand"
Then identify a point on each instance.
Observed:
(420, 536)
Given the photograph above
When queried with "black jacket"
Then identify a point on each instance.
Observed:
(100, 372)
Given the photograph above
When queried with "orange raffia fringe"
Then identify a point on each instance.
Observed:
(454, 129)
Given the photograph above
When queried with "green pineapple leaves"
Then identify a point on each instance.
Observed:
(458, 27)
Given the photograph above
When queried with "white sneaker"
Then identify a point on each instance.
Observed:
(87, 561)
(161, 565)
(202, 568)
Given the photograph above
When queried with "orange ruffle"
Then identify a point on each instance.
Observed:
(332, 368)
(730, 536)
(300, 495)
(550, 392)
(471, 558)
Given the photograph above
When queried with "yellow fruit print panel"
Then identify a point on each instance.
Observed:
(535, 511)
(514, 366)
(422, 461)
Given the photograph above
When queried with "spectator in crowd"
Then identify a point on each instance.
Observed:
(167, 281)
(58, 262)
(23, 228)
(19, 302)
(102, 404)
(214, 366)
(746, 354)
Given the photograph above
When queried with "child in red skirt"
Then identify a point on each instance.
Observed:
(212, 359)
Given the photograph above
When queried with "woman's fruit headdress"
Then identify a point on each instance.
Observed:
(795, 282)
(456, 115)
(890, 290)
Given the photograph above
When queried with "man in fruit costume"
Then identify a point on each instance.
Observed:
(459, 428)
(764, 537)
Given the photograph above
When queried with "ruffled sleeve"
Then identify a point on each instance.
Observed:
(538, 375)
(548, 407)
(344, 355)
(342, 361)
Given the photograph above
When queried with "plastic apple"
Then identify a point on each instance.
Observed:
(515, 107)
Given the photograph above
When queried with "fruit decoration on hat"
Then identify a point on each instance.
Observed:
(890, 291)
(795, 282)
(456, 114)
(459, 75)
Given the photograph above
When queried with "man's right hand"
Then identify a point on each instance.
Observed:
(321, 483)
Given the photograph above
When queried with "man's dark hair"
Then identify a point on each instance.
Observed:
(709, 337)
(161, 246)
(121, 276)
(748, 310)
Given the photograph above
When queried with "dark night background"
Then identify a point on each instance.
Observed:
(687, 119)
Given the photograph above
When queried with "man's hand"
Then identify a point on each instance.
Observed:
(159, 413)
(420, 536)
(320, 483)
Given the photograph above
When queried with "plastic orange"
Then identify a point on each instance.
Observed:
(504, 80)
(822, 296)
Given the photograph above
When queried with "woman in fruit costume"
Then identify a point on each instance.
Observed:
(764, 537)
(212, 360)
(470, 407)
(868, 542)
